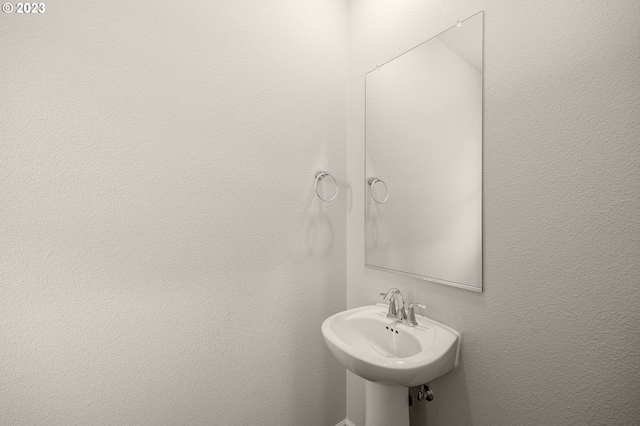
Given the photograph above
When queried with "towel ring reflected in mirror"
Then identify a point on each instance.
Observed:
(372, 181)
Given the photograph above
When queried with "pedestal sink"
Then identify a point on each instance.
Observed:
(390, 356)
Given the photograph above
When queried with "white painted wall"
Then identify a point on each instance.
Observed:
(554, 337)
(163, 256)
(156, 163)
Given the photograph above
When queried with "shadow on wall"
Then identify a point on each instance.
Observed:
(456, 389)
(320, 232)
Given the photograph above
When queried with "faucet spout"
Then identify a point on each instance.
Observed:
(394, 296)
(392, 292)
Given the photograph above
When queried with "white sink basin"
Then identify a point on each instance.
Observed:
(380, 349)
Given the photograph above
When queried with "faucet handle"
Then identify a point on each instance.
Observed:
(412, 322)
(393, 312)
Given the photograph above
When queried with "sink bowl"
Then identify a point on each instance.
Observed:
(382, 350)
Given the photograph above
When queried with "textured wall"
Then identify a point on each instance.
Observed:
(554, 337)
(163, 256)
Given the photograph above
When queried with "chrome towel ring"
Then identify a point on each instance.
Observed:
(372, 181)
(321, 175)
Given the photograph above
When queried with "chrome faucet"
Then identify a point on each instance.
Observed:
(411, 321)
(394, 295)
(405, 314)
(393, 311)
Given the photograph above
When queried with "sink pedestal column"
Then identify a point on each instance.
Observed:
(386, 405)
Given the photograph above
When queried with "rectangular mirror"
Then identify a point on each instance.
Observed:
(424, 159)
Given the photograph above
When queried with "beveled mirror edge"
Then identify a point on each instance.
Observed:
(431, 38)
(481, 289)
(475, 289)
(427, 278)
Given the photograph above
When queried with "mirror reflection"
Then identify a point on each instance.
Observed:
(424, 159)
